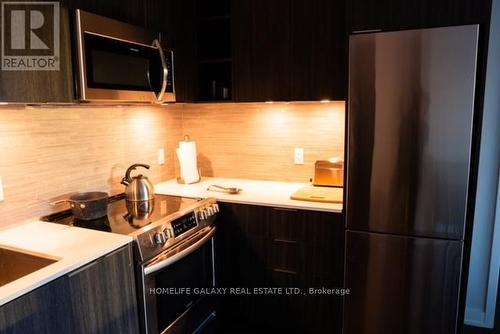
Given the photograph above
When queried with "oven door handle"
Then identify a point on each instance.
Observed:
(154, 267)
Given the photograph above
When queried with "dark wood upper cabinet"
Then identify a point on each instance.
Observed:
(130, 11)
(289, 50)
(261, 50)
(182, 37)
(318, 50)
(413, 14)
(214, 54)
(41, 86)
(176, 21)
(297, 50)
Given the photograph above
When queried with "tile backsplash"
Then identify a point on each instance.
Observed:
(49, 151)
(257, 140)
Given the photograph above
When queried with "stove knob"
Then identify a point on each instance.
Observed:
(201, 215)
(160, 238)
(216, 207)
(168, 233)
(210, 211)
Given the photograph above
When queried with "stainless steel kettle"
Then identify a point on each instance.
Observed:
(139, 188)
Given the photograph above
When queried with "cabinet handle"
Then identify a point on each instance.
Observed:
(284, 271)
(365, 31)
(286, 241)
(285, 209)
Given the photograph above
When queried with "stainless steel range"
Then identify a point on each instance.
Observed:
(174, 255)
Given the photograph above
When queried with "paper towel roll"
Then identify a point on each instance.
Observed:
(186, 153)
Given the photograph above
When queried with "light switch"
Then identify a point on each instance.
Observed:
(1, 190)
(161, 156)
(298, 156)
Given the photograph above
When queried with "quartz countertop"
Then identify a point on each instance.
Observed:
(256, 192)
(72, 246)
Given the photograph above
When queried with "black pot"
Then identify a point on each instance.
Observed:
(88, 205)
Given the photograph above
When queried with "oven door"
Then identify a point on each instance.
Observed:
(120, 62)
(170, 304)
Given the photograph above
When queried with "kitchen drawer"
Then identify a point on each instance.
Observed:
(302, 225)
(250, 220)
(286, 257)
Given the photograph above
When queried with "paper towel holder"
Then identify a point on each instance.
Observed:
(180, 180)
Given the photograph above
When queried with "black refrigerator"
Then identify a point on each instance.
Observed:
(409, 124)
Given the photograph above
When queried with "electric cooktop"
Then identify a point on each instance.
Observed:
(125, 217)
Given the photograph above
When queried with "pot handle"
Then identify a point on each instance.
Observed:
(61, 201)
(73, 203)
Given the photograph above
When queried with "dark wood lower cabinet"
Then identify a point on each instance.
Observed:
(295, 250)
(44, 310)
(103, 297)
(97, 298)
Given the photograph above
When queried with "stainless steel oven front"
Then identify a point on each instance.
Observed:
(116, 61)
(170, 284)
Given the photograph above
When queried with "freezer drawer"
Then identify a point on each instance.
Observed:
(401, 284)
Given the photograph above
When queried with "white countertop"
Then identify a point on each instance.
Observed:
(73, 246)
(266, 193)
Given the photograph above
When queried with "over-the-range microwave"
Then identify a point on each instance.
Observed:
(117, 62)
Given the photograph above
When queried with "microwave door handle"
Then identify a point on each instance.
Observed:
(156, 266)
(157, 44)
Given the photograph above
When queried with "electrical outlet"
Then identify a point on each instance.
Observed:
(2, 198)
(161, 156)
(298, 156)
